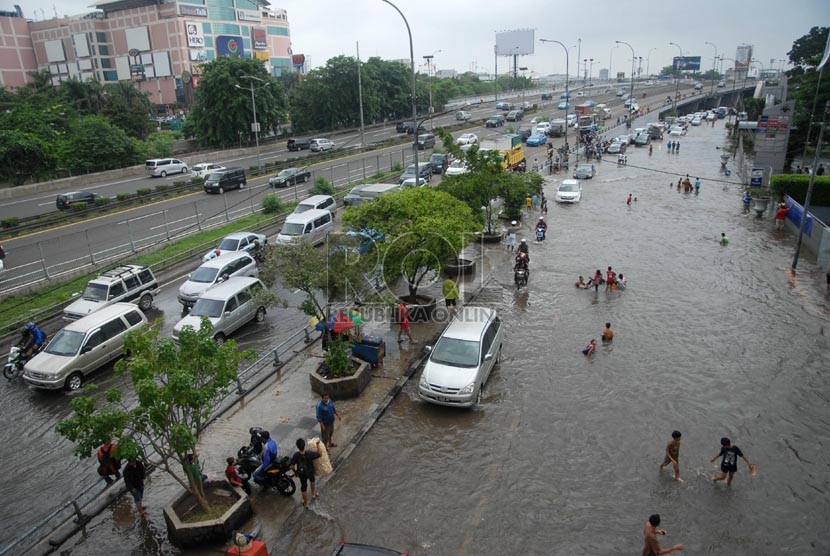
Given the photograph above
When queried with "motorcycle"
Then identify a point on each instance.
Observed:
(540, 233)
(520, 277)
(278, 475)
(17, 359)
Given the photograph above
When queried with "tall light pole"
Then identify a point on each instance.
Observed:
(429, 58)
(578, 54)
(610, 63)
(414, 105)
(359, 99)
(633, 59)
(639, 68)
(676, 78)
(523, 70)
(648, 61)
(567, 90)
(255, 125)
(714, 65)
(584, 72)
(590, 70)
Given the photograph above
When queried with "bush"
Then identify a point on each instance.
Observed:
(197, 180)
(165, 187)
(322, 187)
(253, 168)
(78, 207)
(377, 175)
(273, 204)
(101, 201)
(143, 192)
(795, 185)
(123, 196)
(9, 222)
(177, 183)
(397, 167)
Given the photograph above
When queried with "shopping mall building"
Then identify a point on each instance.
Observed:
(160, 45)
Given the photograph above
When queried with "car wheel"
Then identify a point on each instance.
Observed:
(260, 315)
(220, 338)
(184, 170)
(221, 190)
(163, 173)
(478, 397)
(74, 381)
(146, 302)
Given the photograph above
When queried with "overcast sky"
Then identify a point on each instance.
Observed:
(464, 30)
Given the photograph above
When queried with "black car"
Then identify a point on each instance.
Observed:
(401, 127)
(547, 96)
(525, 133)
(289, 176)
(495, 121)
(66, 200)
(439, 162)
(424, 171)
(295, 144)
(410, 129)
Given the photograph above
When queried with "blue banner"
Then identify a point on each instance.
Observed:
(229, 46)
(795, 213)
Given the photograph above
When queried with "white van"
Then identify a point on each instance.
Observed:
(312, 226)
(372, 192)
(460, 363)
(82, 347)
(219, 269)
(326, 202)
(228, 306)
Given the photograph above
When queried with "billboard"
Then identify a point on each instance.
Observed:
(195, 39)
(743, 54)
(298, 61)
(229, 46)
(259, 38)
(686, 63)
(520, 41)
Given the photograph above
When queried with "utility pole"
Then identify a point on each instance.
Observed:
(496, 76)
(360, 96)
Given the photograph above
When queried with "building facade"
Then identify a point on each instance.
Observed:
(159, 45)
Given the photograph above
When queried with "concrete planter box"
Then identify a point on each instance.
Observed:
(760, 205)
(489, 238)
(461, 268)
(214, 531)
(344, 387)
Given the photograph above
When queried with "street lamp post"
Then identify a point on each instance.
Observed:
(590, 70)
(523, 70)
(255, 125)
(414, 105)
(429, 58)
(714, 65)
(631, 94)
(610, 63)
(584, 72)
(648, 62)
(567, 90)
(676, 78)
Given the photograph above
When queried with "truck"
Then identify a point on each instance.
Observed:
(509, 149)
(557, 128)
(602, 111)
(587, 123)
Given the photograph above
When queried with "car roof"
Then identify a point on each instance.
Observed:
(468, 323)
(229, 287)
(304, 217)
(221, 260)
(239, 235)
(103, 314)
(314, 199)
(570, 182)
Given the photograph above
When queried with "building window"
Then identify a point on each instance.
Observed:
(281, 63)
(209, 42)
(210, 55)
(220, 3)
(111, 75)
(106, 63)
(103, 50)
(247, 5)
(246, 44)
(281, 31)
(101, 37)
(206, 28)
(225, 29)
(222, 14)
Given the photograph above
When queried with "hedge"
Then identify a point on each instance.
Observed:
(795, 185)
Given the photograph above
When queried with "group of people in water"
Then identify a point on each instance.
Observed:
(612, 281)
(687, 185)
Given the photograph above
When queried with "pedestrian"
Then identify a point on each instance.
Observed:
(134, 474)
(618, 120)
(625, 159)
(650, 148)
(2, 252)
(629, 200)
(677, 147)
(450, 295)
(403, 319)
(619, 160)
(608, 333)
(590, 348)
(819, 172)
(798, 168)
(534, 201)
(544, 204)
(780, 215)
(697, 186)
(511, 236)
(529, 203)
(723, 239)
(302, 462)
(108, 464)
(651, 546)
(232, 475)
(669, 146)
(729, 461)
(610, 277)
(326, 413)
(673, 454)
(195, 467)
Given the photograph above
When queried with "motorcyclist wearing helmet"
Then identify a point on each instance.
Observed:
(269, 456)
(542, 224)
(32, 339)
(523, 248)
(522, 261)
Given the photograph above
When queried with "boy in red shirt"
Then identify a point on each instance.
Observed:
(780, 215)
(233, 477)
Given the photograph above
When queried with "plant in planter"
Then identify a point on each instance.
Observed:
(336, 362)
(177, 386)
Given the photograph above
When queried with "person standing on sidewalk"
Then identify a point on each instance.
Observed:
(108, 464)
(451, 294)
(651, 546)
(403, 319)
(326, 413)
(134, 475)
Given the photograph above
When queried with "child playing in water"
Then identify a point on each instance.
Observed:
(590, 348)
(581, 283)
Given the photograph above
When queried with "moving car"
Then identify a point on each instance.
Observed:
(495, 121)
(565, 96)
(584, 171)
(696, 120)
(319, 145)
(237, 241)
(563, 105)
(289, 176)
(617, 146)
(547, 96)
(620, 92)
(456, 168)
(542, 127)
(462, 116)
(467, 139)
(501, 105)
(643, 139)
(676, 130)
(537, 140)
(424, 171)
(721, 84)
(425, 141)
(296, 144)
(402, 127)
(698, 86)
(312, 226)
(163, 166)
(439, 162)
(224, 180)
(515, 115)
(228, 306)
(132, 283)
(65, 200)
(569, 191)
(410, 182)
(213, 272)
(205, 169)
(461, 361)
(317, 202)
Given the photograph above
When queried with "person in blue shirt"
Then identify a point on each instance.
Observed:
(326, 413)
(747, 199)
(31, 340)
(269, 456)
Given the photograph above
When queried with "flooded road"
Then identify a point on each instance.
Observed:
(562, 454)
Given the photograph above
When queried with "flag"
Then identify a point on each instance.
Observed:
(826, 56)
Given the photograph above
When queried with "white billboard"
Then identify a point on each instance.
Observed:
(195, 39)
(520, 41)
(743, 54)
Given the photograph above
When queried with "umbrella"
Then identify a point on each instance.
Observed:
(342, 322)
(356, 317)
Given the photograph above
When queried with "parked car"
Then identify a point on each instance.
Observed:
(425, 141)
(312, 226)
(317, 202)
(353, 197)
(676, 130)
(439, 162)
(620, 92)
(502, 105)
(319, 145)
(467, 139)
(617, 147)
(237, 241)
(213, 272)
(643, 139)
(424, 171)
(537, 140)
(205, 169)
(132, 283)
(353, 549)
(569, 191)
(225, 180)
(289, 176)
(297, 144)
(547, 96)
(411, 182)
(698, 86)
(565, 96)
(462, 116)
(515, 115)
(721, 84)
(696, 120)
(164, 166)
(563, 105)
(228, 306)
(456, 168)
(584, 171)
(461, 361)
(65, 200)
(495, 121)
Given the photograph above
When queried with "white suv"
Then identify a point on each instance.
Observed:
(163, 166)
(130, 283)
(318, 145)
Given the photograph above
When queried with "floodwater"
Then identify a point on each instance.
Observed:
(562, 454)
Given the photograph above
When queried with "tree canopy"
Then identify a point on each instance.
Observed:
(804, 88)
(807, 49)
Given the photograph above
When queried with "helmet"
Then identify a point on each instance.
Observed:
(30, 326)
(541, 218)
(514, 223)
(524, 240)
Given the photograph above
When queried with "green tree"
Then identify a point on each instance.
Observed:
(804, 88)
(424, 228)
(807, 50)
(177, 386)
(322, 186)
(23, 156)
(222, 113)
(128, 108)
(95, 143)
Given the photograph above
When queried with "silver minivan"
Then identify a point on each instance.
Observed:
(227, 306)
(460, 363)
(163, 166)
(326, 202)
(239, 263)
(83, 346)
(312, 226)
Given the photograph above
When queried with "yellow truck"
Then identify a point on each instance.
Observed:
(509, 148)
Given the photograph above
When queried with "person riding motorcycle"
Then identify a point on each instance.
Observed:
(32, 339)
(522, 261)
(542, 224)
(523, 248)
(269, 456)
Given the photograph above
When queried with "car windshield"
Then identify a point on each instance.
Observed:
(204, 275)
(568, 188)
(95, 292)
(214, 177)
(436, 158)
(457, 164)
(229, 244)
(66, 342)
(292, 229)
(207, 308)
(455, 352)
(302, 208)
(410, 170)
(285, 173)
(583, 168)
